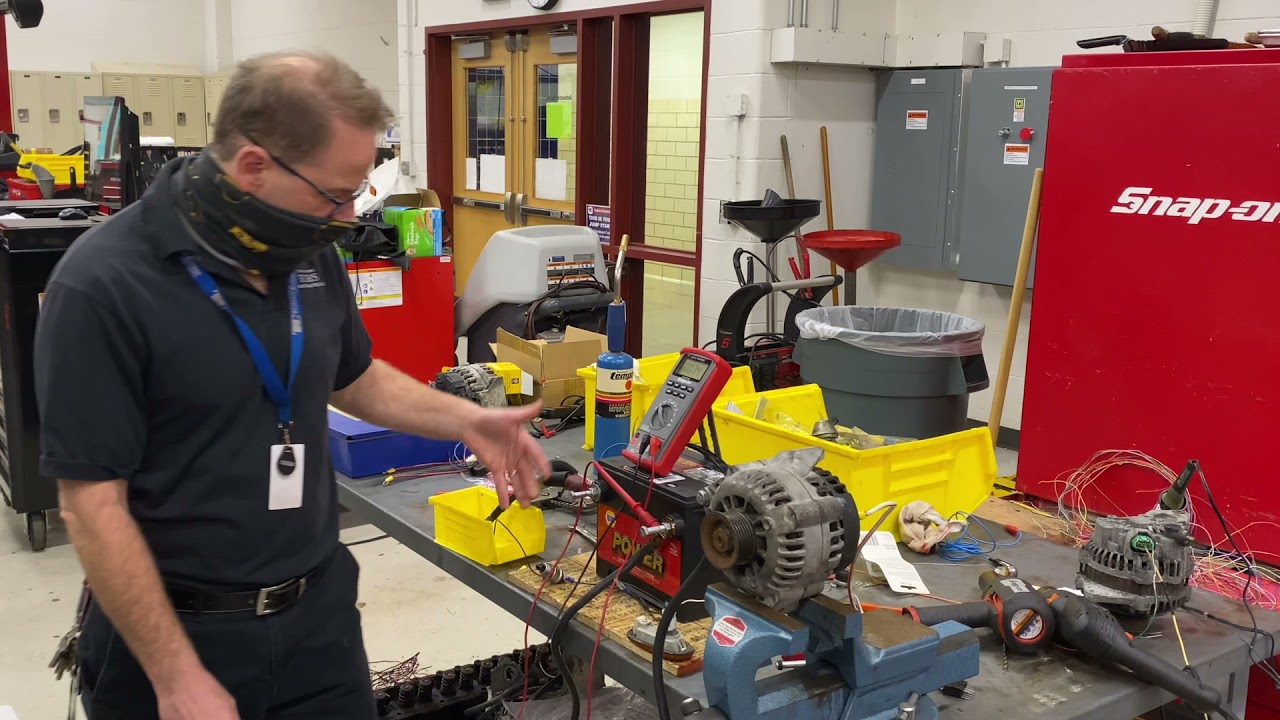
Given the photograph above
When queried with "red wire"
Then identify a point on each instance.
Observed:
(528, 656)
(641, 513)
(604, 610)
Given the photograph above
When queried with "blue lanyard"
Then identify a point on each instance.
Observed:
(281, 394)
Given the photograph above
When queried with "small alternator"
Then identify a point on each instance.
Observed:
(779, 529)
(477, 383)
(1138, 566)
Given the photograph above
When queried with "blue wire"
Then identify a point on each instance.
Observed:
(968, 545)
(622, 445)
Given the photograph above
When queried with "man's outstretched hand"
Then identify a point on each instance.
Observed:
(500, 440)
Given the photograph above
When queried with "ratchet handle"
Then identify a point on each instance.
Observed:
(978, 614)
(1085, 626)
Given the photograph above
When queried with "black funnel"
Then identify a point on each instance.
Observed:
(771, 222)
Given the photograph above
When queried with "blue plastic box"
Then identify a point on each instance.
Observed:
(360, 449)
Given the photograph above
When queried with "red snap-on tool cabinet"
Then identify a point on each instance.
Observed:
(1155, 323)
(408, 313)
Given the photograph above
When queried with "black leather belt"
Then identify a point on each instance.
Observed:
(266, 601)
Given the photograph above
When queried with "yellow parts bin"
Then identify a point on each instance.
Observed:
(651, 373)
(59, 165)
(954, 473)
(461, 526)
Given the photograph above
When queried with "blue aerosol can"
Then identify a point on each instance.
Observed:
(615, 371)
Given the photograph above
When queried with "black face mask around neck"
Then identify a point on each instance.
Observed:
(245, 232)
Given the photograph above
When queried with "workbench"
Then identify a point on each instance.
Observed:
(1056, 686)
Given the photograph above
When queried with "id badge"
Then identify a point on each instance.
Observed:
(286, 472)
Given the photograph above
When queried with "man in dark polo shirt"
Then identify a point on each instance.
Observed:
(186, 354)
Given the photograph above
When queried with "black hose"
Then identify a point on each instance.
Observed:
(660, 638)
(557, 652)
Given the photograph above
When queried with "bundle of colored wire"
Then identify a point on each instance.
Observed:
(399, 672)
(967, 545)
(528, 621)
(1072, 504)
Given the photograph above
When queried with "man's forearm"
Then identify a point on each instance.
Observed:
(125, 582)
(386, 396)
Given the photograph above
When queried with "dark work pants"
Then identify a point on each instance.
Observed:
(306, 661)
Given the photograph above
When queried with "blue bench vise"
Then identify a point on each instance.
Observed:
(877, 665)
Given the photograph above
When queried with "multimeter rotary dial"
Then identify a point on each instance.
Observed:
(665, 414)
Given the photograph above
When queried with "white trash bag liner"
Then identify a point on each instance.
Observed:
(905, 332)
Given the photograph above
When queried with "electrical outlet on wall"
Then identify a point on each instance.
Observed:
(406, 168)
(722, 220)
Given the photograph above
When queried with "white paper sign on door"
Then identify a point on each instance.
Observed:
(917, 119)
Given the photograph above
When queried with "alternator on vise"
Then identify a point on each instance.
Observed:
(778, 530)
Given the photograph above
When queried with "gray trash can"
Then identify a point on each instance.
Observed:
(893, 371)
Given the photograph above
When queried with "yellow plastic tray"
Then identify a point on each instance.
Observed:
(651, 373)
(954, 473)
(461, 527)
(59, 165)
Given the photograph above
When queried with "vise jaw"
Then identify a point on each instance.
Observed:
(859, 666)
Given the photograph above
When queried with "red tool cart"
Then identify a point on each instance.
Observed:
(1153, 322)
(1152, 325)
(409, 314)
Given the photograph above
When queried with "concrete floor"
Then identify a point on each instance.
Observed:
(409, 606)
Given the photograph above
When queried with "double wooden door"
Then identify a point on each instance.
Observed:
(514, 143)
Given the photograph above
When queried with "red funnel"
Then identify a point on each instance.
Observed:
(851, 249)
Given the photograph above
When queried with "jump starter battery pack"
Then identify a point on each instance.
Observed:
(662, 572)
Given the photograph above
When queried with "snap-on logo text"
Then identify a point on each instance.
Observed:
(1140, 201)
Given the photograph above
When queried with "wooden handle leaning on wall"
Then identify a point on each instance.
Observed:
(831, 211)
(1015, 304)
(786, 169)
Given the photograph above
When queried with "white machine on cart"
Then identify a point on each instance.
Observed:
(531, 280)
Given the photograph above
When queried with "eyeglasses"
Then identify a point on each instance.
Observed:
(338, 203)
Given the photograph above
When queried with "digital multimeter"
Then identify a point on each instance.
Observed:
(681, 406)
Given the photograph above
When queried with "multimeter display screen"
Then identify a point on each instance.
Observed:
(692, 368)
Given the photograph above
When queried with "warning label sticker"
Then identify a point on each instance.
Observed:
(562, 269)
(728, 631)
(377, 287)
(1017, 154)
(917, 119)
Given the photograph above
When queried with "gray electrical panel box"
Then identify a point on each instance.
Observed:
(917, 164)
(1005, 135)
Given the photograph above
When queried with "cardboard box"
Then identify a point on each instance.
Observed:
(423, 234)
(553, 366)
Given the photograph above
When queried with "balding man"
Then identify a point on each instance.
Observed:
(186, 353)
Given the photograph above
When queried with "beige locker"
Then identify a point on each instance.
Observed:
(62, 127)
(27, 93)
(124, 86)
(85, 85)
(190, 126)
(214, 88)
(155, 105)
(88, 86)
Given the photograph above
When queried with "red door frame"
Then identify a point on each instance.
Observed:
(620, 34)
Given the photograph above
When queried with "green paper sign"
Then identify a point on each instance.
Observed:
(559, 120)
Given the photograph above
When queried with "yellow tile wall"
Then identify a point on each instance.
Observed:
(671, 174)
